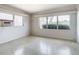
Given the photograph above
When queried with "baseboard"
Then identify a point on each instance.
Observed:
(56, 38)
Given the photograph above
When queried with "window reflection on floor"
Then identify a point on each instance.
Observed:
(64, 51)
(19, 51)
(45, 48)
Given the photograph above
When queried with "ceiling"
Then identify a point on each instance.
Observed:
(32, 8)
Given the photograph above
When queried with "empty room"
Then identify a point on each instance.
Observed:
(39, 29)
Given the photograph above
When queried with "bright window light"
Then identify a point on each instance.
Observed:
(18, 20)
(64, 22)
(4, 16)
(42, 21)
(55, 22)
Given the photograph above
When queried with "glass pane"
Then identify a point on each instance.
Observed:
(52, 22)
(64, 22)
(4, 16)
(18, 21)
(43, 22)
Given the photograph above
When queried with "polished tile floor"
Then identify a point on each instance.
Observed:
(39, 46)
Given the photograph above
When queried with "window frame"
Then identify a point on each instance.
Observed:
(58, 21)
(10, 20)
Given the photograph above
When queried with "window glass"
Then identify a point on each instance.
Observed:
(10, 20)
(64, 22)
(55, 22)
(18, 20)
(4, 16)
(43, 21)
(52, 22)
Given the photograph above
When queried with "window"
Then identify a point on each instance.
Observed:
(43, 22)
(6, 19)
(63, 22)
(55, 22)
(4, 16)
(52, 22)
(18, 21)
(10, 20)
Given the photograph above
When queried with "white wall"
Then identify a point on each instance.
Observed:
(61, 34)
(11, 33)
(78, 23)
